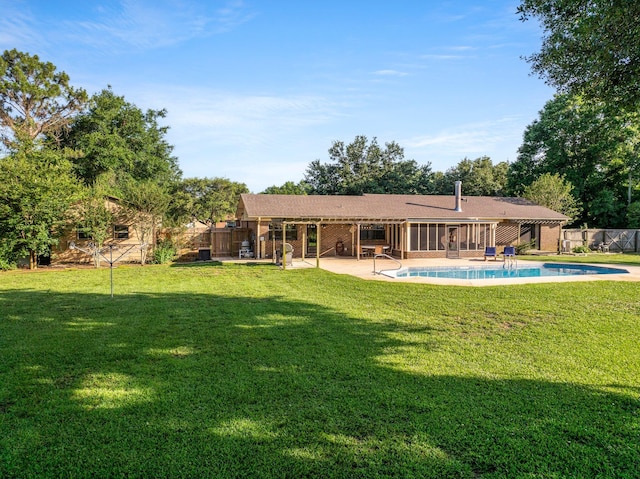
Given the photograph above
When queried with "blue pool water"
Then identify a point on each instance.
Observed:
(495, 271)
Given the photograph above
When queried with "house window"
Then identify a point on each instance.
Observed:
(81, 234)
(120, 232)
(275, 232)
(372, 233)
(427, 237)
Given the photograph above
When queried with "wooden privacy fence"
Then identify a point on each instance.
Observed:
(616, 240)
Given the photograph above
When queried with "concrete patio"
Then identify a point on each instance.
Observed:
(364, 269)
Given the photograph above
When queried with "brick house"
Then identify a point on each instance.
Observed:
(122, 234)
(406, 226)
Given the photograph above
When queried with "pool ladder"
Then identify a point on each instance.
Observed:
(510, 262)
(386, 256)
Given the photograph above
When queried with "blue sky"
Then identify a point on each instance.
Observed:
(256, 90)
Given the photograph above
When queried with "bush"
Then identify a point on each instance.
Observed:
(164, 252)
(6, 261)
(523, 248)
(581, 249)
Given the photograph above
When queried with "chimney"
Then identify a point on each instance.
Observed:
(458, 196)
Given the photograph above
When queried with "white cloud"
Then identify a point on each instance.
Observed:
(16, 27)
(393, 73)
(498, 139)
(150, 25)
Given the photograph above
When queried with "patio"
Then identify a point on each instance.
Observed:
(364, 269)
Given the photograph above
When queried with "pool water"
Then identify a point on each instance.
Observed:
(496, 272)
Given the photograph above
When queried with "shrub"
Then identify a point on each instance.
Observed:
(522, 248)
(581, 249)
(6, 261)
(164, 252)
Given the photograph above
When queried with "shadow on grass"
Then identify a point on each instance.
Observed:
(199, 385)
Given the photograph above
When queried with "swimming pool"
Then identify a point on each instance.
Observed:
(498, 272)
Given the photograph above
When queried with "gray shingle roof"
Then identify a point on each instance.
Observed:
(392, 208)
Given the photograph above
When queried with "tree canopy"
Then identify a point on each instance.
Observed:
(205, 199)
(288, 188)
(37, 188)
(480, 177)
(552, 191)
(364, 167)
(589, 47)
(113, 136)
(35, 99)
(592, 149)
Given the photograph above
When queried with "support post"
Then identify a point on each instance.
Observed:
(318, 243)
(283, 251)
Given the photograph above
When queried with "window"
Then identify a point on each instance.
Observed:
(275, 232)
(81, 234)
(120, 232)
(427, 237)
(432, 237)
(372, 233)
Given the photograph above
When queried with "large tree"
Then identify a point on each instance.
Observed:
(589, 47)
(37, 188)
(591, 148)
(146, 203)
(480, 177)
(364, 167)
(116, 138)
(554, 192)
(35, 99)
(288, 188)
(205, 199)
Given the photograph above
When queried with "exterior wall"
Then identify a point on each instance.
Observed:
(127, 251)
(329, 234)
(438, 254)
(506, 234)
(62, 254)
(549, 236)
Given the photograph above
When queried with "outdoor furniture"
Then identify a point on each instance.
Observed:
(369, 251)
(490, 251)
(509, 251)
(603, 247)
(288, 256)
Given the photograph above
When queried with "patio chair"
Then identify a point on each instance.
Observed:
(509, 251)
(490, 251)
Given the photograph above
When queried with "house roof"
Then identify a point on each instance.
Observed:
(392, 208)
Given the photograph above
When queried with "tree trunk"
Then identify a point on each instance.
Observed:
(33, 260)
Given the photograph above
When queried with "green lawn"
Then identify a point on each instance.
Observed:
(250, 371)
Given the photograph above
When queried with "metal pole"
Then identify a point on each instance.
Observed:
(111, 267)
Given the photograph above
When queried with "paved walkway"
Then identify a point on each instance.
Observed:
(364, 269)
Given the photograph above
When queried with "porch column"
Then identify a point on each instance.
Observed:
(318, 243)
(358, 243)
(257, 243)
(283, 251)
(403, 235)
(273, 242)
(304, 242)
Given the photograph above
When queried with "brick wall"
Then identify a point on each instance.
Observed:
(549, 235)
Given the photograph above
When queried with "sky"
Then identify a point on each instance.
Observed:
(255, 90)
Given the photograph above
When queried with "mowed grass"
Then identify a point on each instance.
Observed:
(248, 371)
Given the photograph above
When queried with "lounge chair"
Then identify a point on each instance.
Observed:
(490, 251)
(509, 251)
